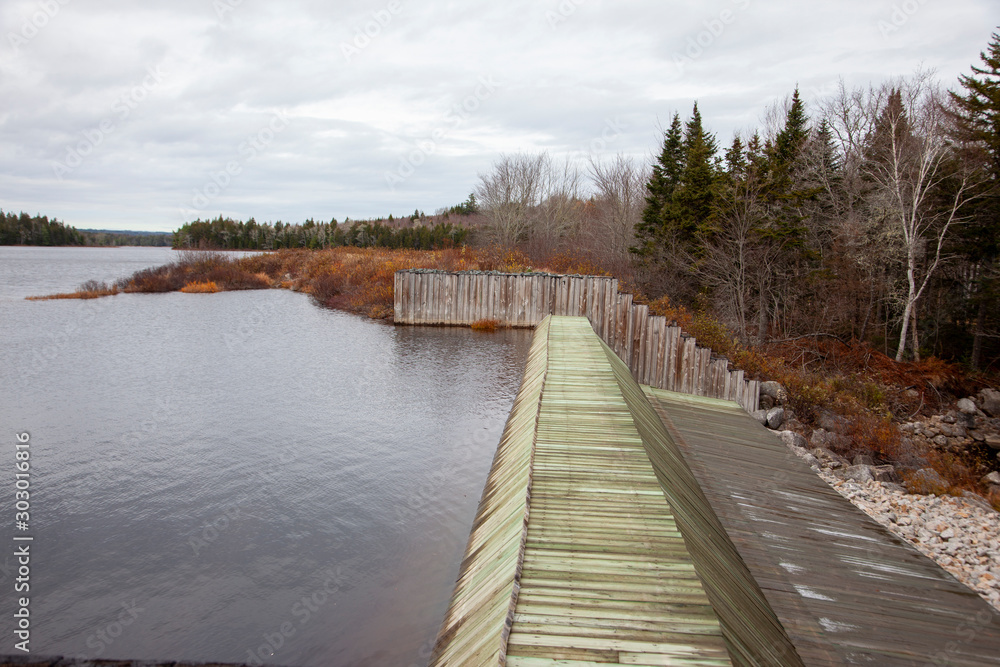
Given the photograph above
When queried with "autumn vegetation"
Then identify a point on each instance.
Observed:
(849, 250)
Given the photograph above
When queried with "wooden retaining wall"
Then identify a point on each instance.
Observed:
(659, 355)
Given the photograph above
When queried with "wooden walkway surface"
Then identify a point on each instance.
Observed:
(846, 590)
(607, 577)
(626, 525)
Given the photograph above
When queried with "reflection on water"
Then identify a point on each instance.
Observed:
(243, 474)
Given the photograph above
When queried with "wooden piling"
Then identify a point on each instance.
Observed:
(657, 353)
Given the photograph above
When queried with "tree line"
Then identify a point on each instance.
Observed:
(874, 215)
(24, 229)
(228, 234)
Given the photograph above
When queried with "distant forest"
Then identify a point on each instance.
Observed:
(228, 234)
(23, 229)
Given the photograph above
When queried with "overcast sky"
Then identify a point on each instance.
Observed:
(126, 115)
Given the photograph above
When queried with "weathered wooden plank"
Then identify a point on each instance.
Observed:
(656, 353)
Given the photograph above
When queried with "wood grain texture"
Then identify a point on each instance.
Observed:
(846, 590)
(657, 354)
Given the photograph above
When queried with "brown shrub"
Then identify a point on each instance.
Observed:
(920, 482)
(485, 325)
(91, 289)
(875, 435)
(200, 287)
(167, 278)
(505, 260)
(572, 263)
(678, 315)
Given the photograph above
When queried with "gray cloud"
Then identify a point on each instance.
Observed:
(126, 115)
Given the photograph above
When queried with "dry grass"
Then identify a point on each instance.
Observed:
(198, 287)
(91, 289)
(359, 280)
(485, 325)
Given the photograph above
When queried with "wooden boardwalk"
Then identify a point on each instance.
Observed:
(606, 577)
(846, 590)
(626, 525)
(659, 353)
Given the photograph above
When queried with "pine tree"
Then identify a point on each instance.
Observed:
(977, 124)
(661, 189)
(788, 192)
(978, 116)
(697, 190)
(788, 144)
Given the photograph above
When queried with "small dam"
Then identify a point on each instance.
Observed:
(627, 525)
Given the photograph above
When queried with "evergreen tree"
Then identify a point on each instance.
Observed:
(789, 142)
(788, 189)
(696, 193)
(661, 189)
(977, 126)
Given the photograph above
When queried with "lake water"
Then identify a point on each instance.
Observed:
(240, 476)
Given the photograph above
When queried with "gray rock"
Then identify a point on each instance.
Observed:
(864, 460)
(990, 402)
(966, 406)
(977, 500)
(760, 415)
(992, 478)
(897, 488)
(927, 481)
(821, 438)
(885, 474)
(793, 439)
(831, 422)
(775, 390)
(940, 441)
(859, 474)
(775, 418)
(826, 456)
(765, 403)
(992, 440)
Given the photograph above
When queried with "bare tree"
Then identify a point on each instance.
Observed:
(917, 188)
(620, 185)
(509, 193)
(560, 209)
